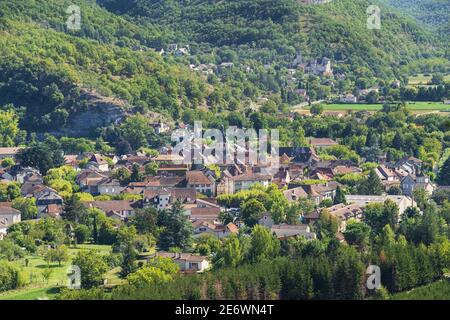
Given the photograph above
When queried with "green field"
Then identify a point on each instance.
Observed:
(439, 290)
(37, 288)
(413, 106)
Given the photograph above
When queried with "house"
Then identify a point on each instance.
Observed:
(403, 202)
(204, 213)
(321, 143)
(384, 173)
(345, 169)
(9, 152)
(200, 182)
(266, 220)
(322, 173)
(303, 155)
(118, 209)
(320, 192)
(348, 98)
(218, 230)
(164, 198)
(246, 180)
(311, 217)
(155, 183)
(160, 127)
(412, 182)
(319, 68)
(346, 212)
(188, 262)
(52, 210)
(285, 231)
(19, 174)
(30, 183)
(409, 164)
(45, 196)
(99, 163)
(129, 160)
(294, 194)
(8, 217)
(72, 160)
(88, 180)
(108, 186)
(301, 93)
(282, 178)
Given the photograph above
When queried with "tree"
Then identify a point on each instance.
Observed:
(145, 220)
(421, 196)
(59, 254)
(9, 276)
(41, 156)
(395, 190)
(74, 210)
(230, 254)
(135, 130)
(151, 168)
(357, 233)
(316, 109)
(10, 134)
(123, 175)
(148, 275)
(251, 211)
(177, 229)
(263, 244)
(82, 233)
(437, 79)
(92, 266)
(8, 163)
(327, 224)
(136, 175)
(165, 264)
(9, 191)
(444, 173)
(126, 241)
(348, 277)
(299, 139)
(340, 196)
(46, 274)
(378, 215)
(372, 185)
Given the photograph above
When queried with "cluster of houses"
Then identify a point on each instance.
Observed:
(196, 188)
(176, 50)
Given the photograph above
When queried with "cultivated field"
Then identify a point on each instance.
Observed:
(413, 106)
(422, 79)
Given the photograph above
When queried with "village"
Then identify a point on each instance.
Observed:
(199, 188)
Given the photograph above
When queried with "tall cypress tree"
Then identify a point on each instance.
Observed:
(444, 173)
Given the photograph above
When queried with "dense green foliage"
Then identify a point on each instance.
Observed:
(430, 12)
(273, 31)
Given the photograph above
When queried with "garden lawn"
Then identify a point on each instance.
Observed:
(36, 286)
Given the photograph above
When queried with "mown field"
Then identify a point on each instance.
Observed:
(413, 106)
(37, 287)
(439, 290)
